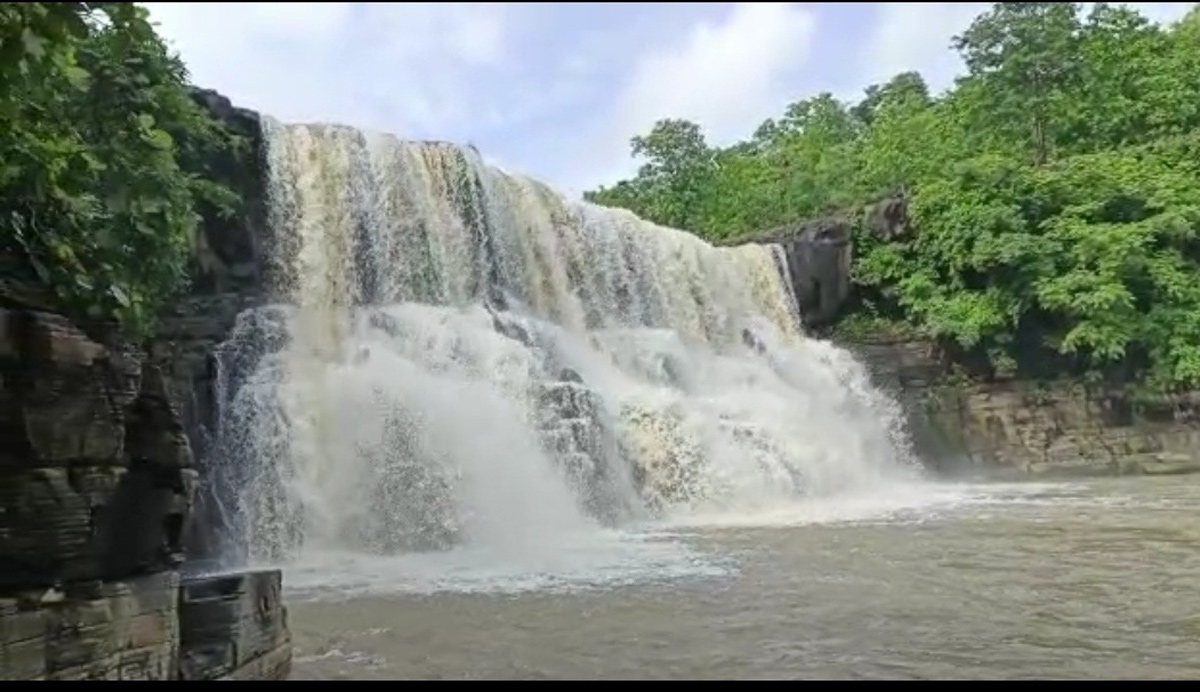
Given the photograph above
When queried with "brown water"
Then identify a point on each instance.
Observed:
(1081, 580)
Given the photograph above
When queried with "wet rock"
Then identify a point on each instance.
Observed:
(234, 626)
(512, 330)
(95, 475)
(577, 433)
(818, 255)
(753, 342)
(126, 630)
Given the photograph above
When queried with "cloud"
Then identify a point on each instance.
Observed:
(917, 36)
(556, 90)
(405, 67)
(725, 73)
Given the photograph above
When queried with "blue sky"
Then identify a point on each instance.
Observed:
(555, 90)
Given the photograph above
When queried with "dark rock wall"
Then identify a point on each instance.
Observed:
(103, 448)
(1019, 428)
(819, 252)
(96, 489)
(227, 278)
(95, 472)
(818, 255)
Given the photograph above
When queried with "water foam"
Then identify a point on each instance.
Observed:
(471, 373)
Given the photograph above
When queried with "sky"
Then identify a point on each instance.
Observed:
(556, 90)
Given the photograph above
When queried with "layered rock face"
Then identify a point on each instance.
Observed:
(95, 471)
(99, 489)
(1025, 428)
(96, 488)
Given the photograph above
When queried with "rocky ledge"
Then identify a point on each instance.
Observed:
(96, 487)
(1015, 428)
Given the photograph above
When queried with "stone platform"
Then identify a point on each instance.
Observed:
(148, 628)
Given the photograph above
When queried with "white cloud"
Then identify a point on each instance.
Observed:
(917, 36)
(558, 88)
(725, 75)
(392, 66)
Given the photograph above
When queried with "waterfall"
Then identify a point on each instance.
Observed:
(464, 357)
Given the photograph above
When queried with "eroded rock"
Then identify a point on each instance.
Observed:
(888, 218)
(126, 630)
(234, 626)
(818, 255)
(95, 477)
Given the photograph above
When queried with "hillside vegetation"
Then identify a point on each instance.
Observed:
(103, 157)
(1054, 191)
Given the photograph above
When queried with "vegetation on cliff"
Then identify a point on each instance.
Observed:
(1054, 192)
(104, 156)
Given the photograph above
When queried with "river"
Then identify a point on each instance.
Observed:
(1080, 580)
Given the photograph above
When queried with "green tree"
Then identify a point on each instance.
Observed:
(905, 88)
(105, 155)
(1054, 192)
(1026, 55)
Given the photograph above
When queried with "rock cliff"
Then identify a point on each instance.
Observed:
(100, 489)
(1019, 428)
(962, 425)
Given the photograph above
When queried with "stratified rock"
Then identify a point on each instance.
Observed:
(234, 626)
(128, 630)
(63, 394)
(1048, 429)
(94, 469)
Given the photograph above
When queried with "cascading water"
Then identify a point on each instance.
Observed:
(467, 359)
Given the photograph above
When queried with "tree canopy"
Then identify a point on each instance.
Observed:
(104, 156)
(1054, 190)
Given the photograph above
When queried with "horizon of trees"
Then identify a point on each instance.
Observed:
(1054, 190)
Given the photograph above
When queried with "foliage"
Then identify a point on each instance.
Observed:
(1054, 189)
(104, 156)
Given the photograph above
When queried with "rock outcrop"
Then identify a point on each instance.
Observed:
(888, 218)
(99, 480)
(1026, 428)
(818, 255)
(228, 277)
(95, 471)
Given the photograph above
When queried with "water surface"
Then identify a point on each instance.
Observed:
(1087, 580)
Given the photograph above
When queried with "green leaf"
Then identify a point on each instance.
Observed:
(34, 45)
(76, 76)
(119, 295)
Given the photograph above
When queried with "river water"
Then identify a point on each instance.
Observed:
(492, 432)
(1080, 580)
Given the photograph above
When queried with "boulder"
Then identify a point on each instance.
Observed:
(234, 626)
(818, 257)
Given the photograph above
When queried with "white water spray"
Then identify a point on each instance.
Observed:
(468, 360)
